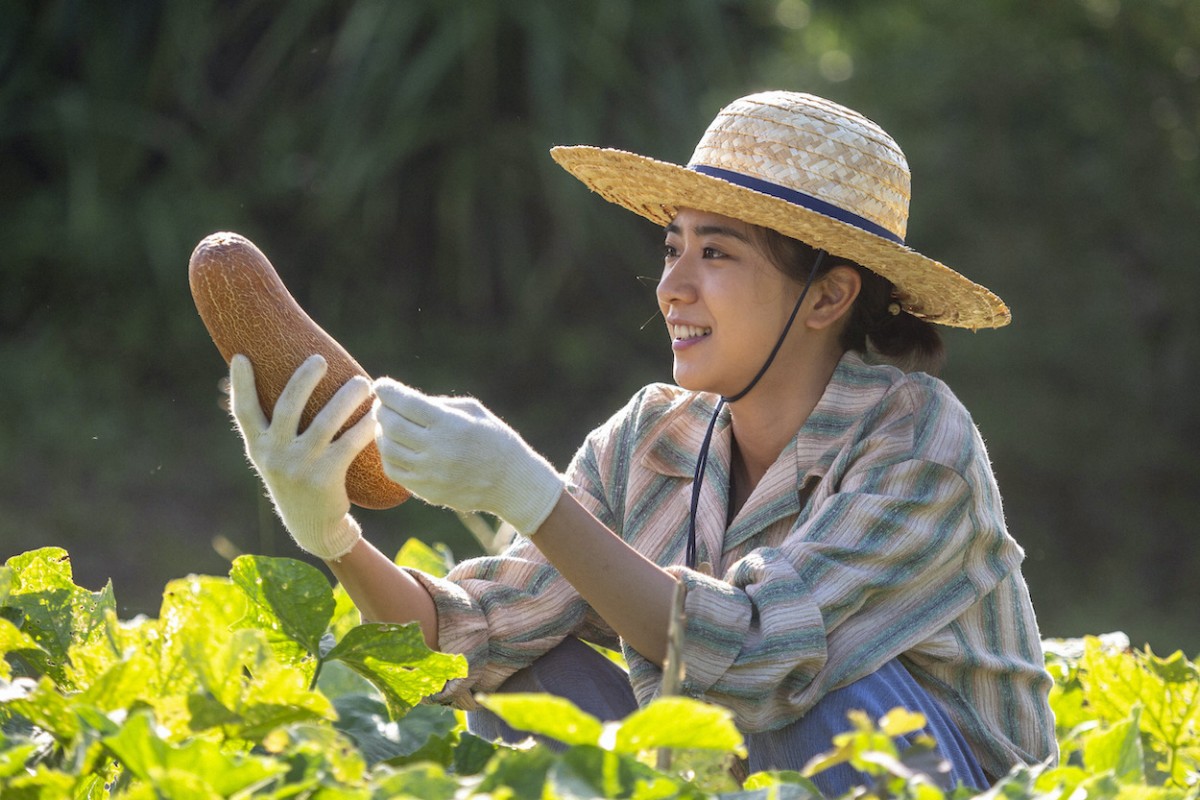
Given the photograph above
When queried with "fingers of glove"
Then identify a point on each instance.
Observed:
(412, 404)
(244, 397)
(351, 442)
(345, 401)
(398, 429)
(400, 462)
(294, 397)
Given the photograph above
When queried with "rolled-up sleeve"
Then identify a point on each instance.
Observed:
(890, 558)
(503, 612)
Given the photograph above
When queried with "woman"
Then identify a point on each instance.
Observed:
(834, 521)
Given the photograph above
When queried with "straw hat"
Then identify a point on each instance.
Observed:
(809, 169)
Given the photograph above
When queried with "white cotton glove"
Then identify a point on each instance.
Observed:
(453, 452)
(305, 473)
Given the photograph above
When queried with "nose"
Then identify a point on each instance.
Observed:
(676, 285)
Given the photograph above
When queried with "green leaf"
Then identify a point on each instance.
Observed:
(14, 640)
(193, 766)
(1173, 669)
(289, 599)
(519, 773)
(472, 753)
(45, 706)
(198, 614)
(781, 784)
(589, 771)
(248, 690)
(54, 611)
(545, 715)
(679, 722)
(418, 555)
(426, 781)
(395, 659)
(316, 753)
(426, 732)
(1117, 749)
(14, 756)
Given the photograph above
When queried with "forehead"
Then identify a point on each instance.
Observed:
(689, 220)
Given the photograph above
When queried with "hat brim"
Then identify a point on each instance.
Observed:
(656, 190)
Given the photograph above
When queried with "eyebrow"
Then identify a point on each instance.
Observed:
(711, 230)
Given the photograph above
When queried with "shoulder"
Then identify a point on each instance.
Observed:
(652, 408)
(919, 414)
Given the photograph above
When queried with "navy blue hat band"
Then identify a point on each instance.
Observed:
(799, 199)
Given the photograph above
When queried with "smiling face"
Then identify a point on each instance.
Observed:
(725, 303)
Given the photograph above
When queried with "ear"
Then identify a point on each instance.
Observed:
(833, 294)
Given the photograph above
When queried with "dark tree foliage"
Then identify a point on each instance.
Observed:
(390, 157)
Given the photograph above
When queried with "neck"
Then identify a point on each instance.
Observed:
(767, 418)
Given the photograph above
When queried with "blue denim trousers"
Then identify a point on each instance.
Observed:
(589, 680)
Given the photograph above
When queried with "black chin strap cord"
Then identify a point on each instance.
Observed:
(702, 459)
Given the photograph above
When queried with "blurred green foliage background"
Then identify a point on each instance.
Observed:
(390, 158)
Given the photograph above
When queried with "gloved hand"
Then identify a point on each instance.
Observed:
(305, 474)
(453, 452)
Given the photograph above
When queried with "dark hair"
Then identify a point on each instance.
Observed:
(872, 329)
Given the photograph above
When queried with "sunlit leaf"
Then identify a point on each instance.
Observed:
(1117, 749)
(396, 660)
(55, 612)
(288, 598)
(419, 555)
(545, 715)
(900, 722)
(197, 763)
(679, 722)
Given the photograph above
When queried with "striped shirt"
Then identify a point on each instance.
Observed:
(877, 533)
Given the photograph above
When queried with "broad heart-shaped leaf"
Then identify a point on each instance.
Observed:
(425, 733)
(395, 659)
(1117, 749)
(150, 758)
(54, 611)
(678, 722)
(289, 599)
(545, 715)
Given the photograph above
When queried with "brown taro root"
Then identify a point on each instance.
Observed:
(248, 310)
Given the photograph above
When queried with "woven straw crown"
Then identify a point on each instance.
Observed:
(809, 169)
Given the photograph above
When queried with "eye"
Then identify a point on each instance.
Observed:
(669, 251)
(712, 252)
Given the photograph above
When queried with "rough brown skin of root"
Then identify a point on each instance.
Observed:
(247, 309)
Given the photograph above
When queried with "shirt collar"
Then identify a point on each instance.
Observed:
(854, 388)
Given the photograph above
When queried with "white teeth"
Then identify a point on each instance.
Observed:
(689, 331)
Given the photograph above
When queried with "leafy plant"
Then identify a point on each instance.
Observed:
(264, 683)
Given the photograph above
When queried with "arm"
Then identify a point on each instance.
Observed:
(630, 592)
(454, 452)
(383, 592)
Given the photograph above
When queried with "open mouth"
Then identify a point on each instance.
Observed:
(685, 332)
